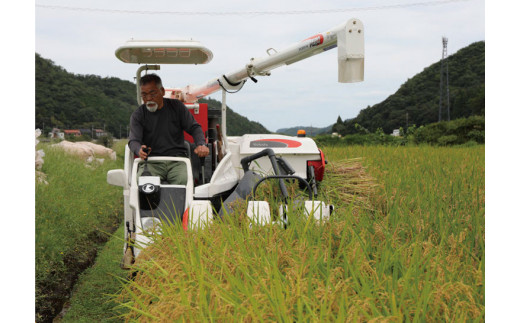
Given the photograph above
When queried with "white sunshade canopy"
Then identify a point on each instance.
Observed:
(164, 52)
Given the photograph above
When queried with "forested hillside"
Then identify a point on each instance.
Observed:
(417, 100)
(67, 100)
(71, 101)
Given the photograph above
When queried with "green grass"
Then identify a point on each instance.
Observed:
(92, 299)
(74, 214)
(406, 244)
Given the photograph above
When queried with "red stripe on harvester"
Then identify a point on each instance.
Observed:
(185, 217)
(289, 143)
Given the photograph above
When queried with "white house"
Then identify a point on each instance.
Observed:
(56, 134)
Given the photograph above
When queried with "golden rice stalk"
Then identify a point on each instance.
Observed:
(348, 182)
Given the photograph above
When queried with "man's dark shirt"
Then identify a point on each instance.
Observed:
(162, 130)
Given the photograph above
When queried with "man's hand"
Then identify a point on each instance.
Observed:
(144, 152)
(201, 151)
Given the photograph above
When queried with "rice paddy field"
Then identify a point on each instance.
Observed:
(405, 244)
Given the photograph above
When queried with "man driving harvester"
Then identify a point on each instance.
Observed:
(156, 129)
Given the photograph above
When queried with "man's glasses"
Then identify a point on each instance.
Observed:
(152, 94)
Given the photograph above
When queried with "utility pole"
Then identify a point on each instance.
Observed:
(447, 82)
(444, 70)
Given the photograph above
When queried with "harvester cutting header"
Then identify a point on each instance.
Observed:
(228, 173)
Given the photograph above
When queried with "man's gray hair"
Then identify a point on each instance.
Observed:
(148, 78)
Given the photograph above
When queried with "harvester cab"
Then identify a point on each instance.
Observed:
(236, 164)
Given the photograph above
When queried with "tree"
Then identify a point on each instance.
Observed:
(419, 95)
(339, 126)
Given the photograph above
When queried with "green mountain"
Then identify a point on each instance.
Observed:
(310, 131)
(417, 100)
(71, 101)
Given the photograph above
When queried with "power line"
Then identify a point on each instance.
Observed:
(242, 13)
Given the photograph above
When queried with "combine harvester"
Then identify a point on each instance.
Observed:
(233, 169)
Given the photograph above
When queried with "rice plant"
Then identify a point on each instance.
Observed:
(406, 244)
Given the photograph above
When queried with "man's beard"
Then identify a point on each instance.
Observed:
(151, 106)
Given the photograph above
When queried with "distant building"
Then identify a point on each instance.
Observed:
(86, 132)
(56, 134)
(72, 132)
(99, 133)
(395, 133)
(93, 133)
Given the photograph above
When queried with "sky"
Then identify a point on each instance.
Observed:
(402, 37)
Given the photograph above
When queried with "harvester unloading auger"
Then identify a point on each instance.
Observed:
(228, 173)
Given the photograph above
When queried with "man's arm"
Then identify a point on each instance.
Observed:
(193, 128)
